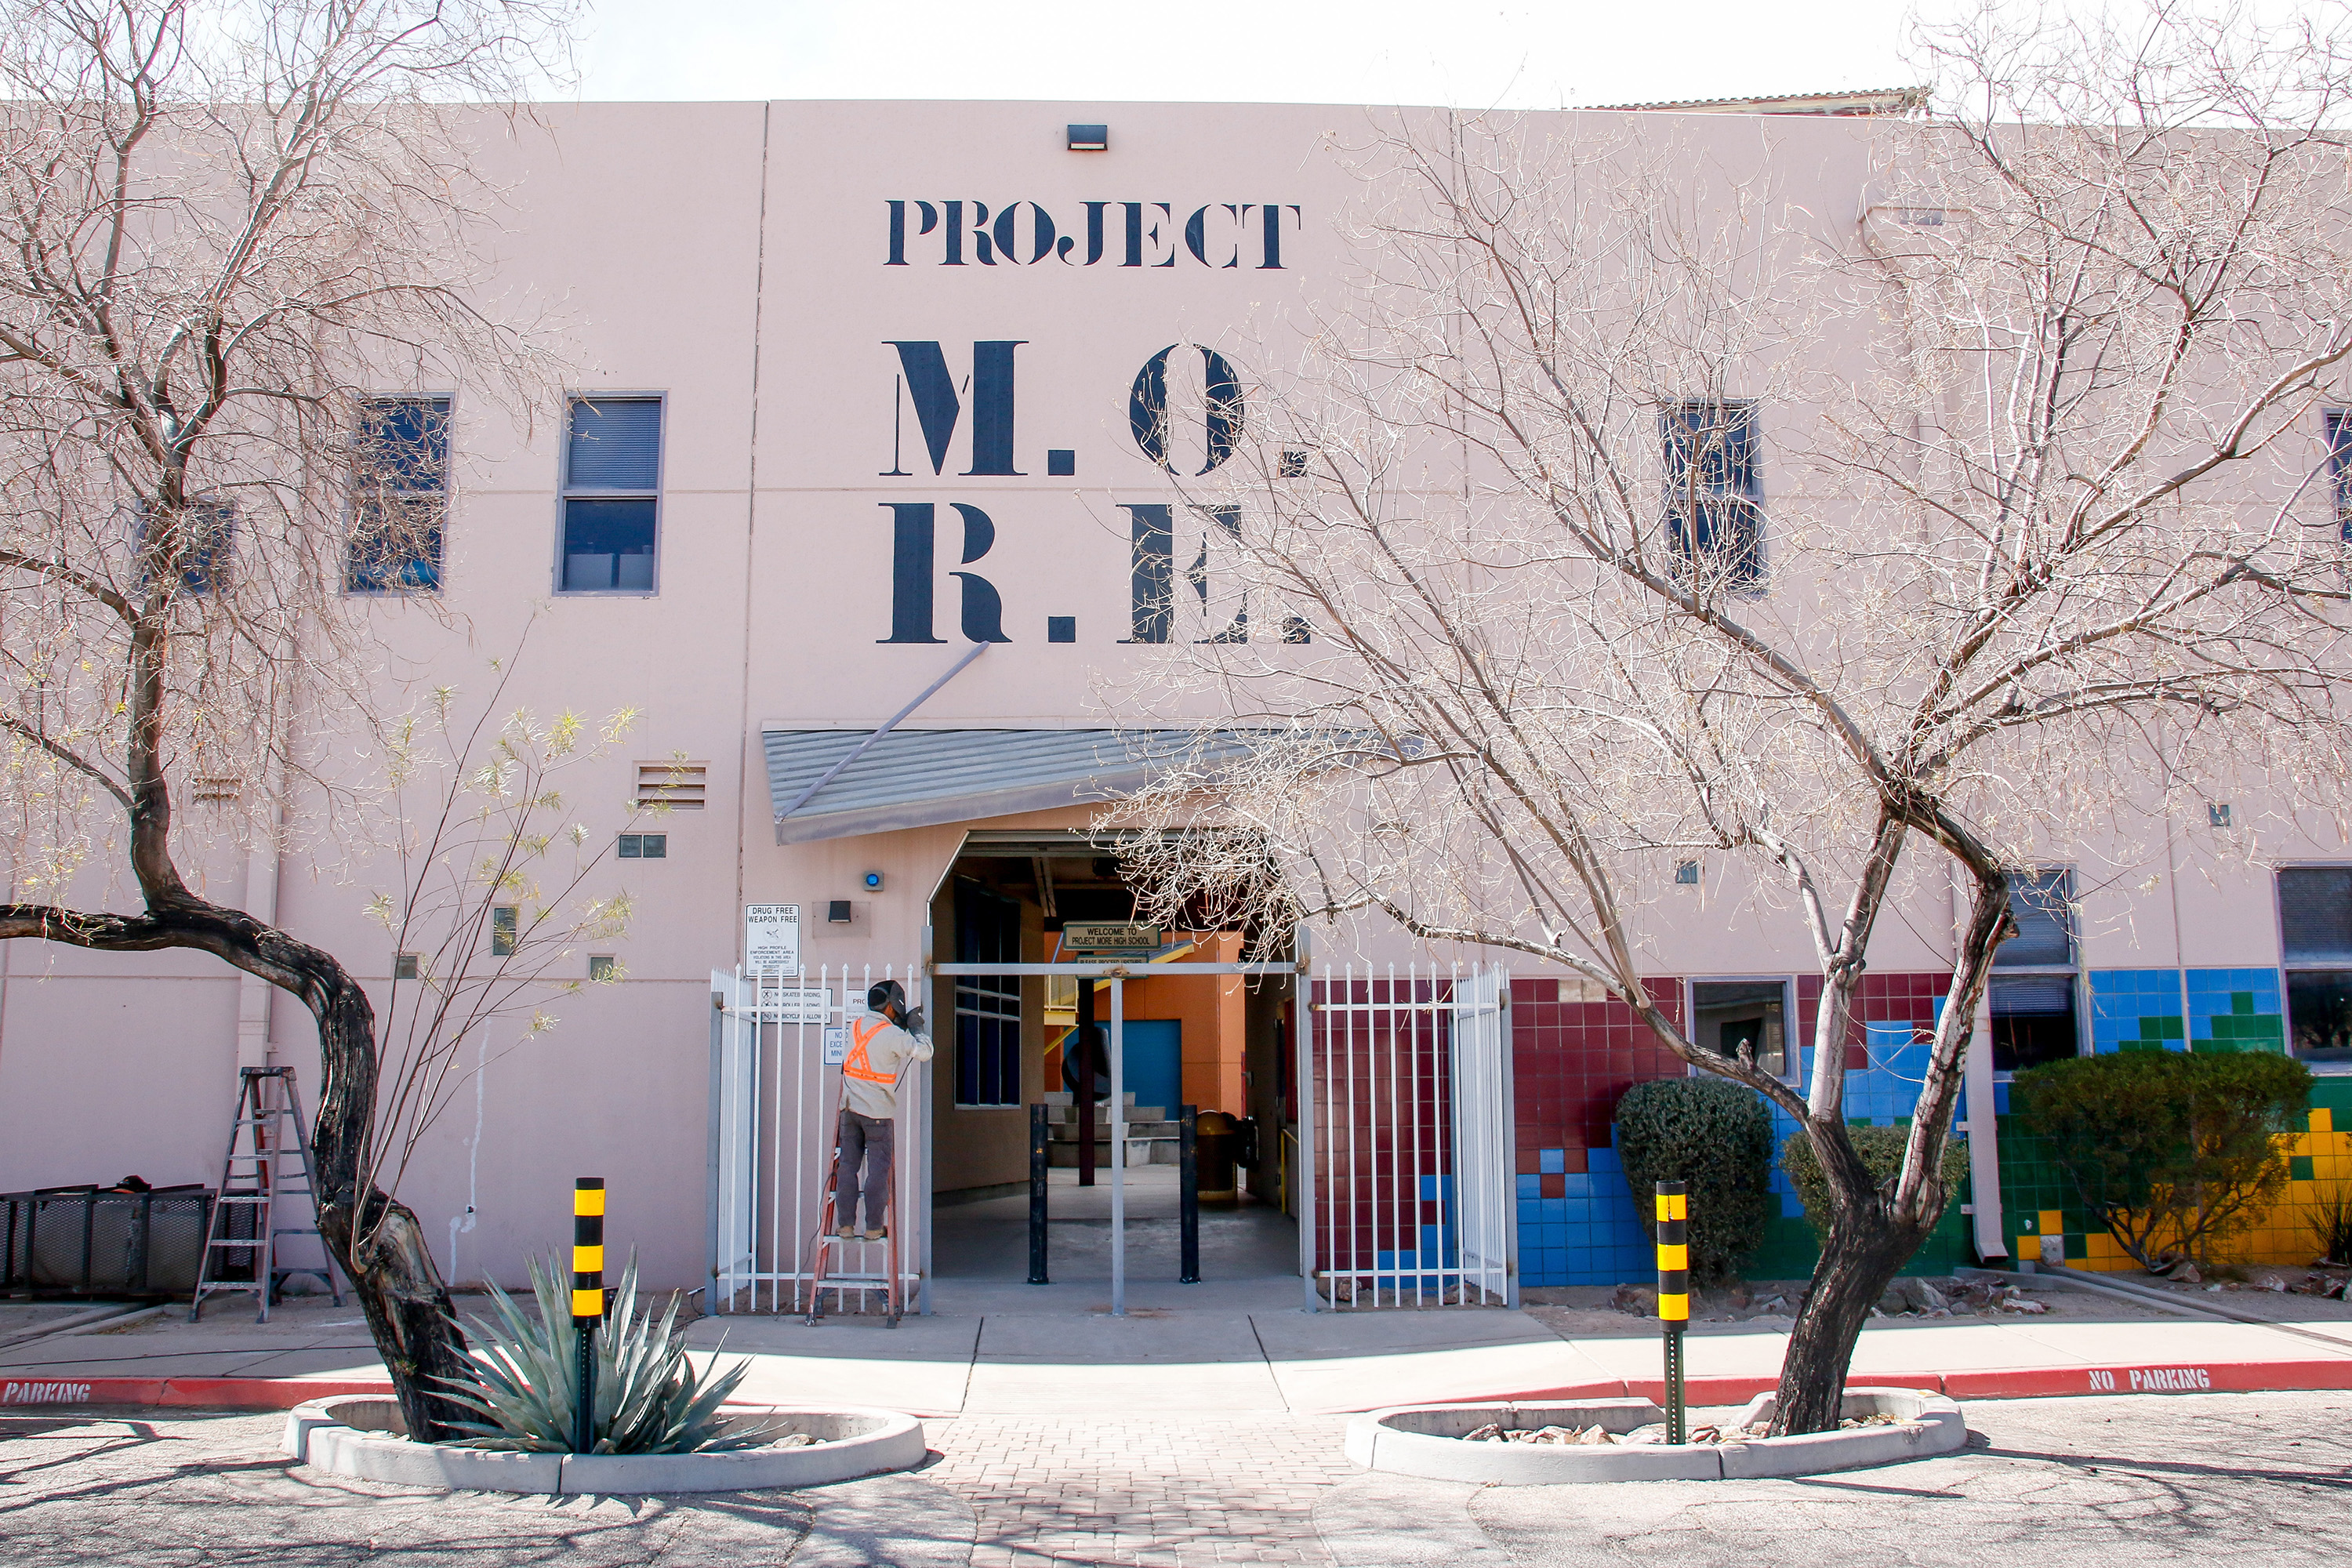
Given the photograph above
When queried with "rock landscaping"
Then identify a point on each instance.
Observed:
(1624, 1440)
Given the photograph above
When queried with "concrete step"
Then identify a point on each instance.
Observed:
(1158, 1152)
(1067, 1133)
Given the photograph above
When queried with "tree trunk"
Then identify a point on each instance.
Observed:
(1860, 1258)
(377, 1237)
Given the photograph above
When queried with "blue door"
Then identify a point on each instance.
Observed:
(1154, 1064)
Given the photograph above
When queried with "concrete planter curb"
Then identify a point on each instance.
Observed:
(1425, 1440)
(363, 1437)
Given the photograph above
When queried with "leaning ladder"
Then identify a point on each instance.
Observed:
(264, 1164)
(823, 1251)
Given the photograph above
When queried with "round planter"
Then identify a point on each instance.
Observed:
(366, 1438)
(1426, 1440)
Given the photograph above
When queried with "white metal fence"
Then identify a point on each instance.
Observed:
(776, 1054)
(1408, 1125)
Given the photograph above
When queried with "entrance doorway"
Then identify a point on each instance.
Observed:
(1195, 1024)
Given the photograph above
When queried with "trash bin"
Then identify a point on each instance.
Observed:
(1216, 1149)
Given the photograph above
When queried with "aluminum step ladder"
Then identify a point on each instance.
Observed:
(265, 1163)
(823, 1252)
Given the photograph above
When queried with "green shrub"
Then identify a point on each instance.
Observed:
(649, 1399)
(1717, 1137)
(1880, 1151)
(2176, 1153)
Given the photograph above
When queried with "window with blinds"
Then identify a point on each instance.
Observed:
(2338, 425)
(1714, 490)
(2315, 914)
(2043, 906)
(611, 495)
(680, 786)
(2315, 943)
(400, 495)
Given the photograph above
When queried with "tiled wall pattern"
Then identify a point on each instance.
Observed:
(2235, 1010)
(1574, 1057)
(2140, 1009)
(1573, 1054)
(2136, 1010)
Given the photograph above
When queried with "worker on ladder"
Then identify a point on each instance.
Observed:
(881, 1044)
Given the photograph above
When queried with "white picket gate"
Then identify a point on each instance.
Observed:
(774, 1104)
(1408, 1127)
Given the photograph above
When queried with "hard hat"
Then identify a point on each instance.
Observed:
(886, 996)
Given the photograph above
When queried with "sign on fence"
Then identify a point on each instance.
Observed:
(771, 940)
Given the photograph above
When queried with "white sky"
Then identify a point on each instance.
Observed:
(1465, 52)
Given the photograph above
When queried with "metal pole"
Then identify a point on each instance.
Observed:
(1302, 1083)
(1082, 1103)
(1188, 1197)
(1673, 1294)
(587, 1303)
(1038, 1165)
(1117, 1147)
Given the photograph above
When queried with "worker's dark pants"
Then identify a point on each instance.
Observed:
(863, 1141)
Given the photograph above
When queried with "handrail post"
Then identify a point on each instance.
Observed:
(1188, 1197)
(1038, 1135)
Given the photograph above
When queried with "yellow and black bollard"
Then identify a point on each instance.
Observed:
(1673, 1294)
(587, 1301)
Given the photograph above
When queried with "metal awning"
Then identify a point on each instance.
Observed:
(917, 778)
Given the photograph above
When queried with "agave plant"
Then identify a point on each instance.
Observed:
(648, 1398)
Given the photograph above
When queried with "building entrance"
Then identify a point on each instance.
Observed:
(1168, 1018)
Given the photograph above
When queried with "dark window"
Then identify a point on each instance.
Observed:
(1714, 497)
(2338, 421)
(1747, 1015)
(645, 846)
(405, 966)
(2315, 914)
(207, 541)
(2315, 940)
(400, 495)
(602, 967)
(612, 491)
(2319, 1013)
(987, 1006)
(2043, 906)
(503, 927)
(2032, 1021)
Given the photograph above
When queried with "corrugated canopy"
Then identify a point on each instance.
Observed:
(915, 778)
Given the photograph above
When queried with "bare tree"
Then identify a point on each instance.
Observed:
(225, 231)
(2042, 402)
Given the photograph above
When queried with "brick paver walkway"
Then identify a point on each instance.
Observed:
(1173, 1493)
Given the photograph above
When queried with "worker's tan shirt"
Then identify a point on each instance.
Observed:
(889, 1051)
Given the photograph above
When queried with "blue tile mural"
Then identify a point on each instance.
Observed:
(2136, 1010)
(2235, 1010)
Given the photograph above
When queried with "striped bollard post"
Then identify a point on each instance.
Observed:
(587, 1303)
(1673, 1294)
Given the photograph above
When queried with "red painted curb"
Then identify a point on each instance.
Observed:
(212, 1393)
(1999, 1383)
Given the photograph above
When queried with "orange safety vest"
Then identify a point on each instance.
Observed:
(856, 1066)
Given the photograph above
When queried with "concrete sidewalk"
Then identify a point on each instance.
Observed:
(1244, 1347)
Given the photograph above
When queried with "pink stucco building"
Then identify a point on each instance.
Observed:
(856, 394)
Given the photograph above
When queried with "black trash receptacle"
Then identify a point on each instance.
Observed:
(1217, 1146)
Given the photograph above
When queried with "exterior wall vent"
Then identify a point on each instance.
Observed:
(676, 785)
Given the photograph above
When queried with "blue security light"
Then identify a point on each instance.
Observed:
(872, 881)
